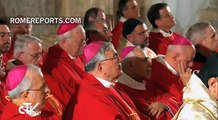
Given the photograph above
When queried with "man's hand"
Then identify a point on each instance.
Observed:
(185, 75)
(156, 108)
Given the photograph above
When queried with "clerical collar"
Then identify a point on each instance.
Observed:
(165, 34)
(71, 57)
(34, 113)
(122, 19)
(105, 83)
(160, 58)
(129, 43)
(130, 82)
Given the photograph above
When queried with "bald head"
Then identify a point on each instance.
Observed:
(136, 65)
(180, 53)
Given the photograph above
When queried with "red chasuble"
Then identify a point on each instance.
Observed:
(62, 73)
(142, 99)
(96, 102)
(158, 43)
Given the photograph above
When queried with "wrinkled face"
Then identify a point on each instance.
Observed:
(140, 35)
(5, 38)
(37, 91)
(111, 64)
(75, 44)
(141, 66)
(32, 54)
(104, 30)
(21, 29)
(211, 39)
(186, 56)
(132, 10)
(166, 19)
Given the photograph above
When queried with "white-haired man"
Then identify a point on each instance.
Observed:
(62, 66)
(27, 92)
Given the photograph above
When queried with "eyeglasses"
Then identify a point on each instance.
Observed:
(35, 55)
(115, 56)
(3, 34)
(43, 89)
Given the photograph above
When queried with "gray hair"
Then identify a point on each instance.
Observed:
(68, 35)
(26, 82)
(22, 41)
(90, 66)
(197, 32)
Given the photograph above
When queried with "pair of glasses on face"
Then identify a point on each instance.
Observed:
(3, 34)
(43, 89)
(35, 55)
(115, 57)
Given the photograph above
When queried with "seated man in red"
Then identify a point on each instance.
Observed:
(27, 92)
(164, 76)
(205, 39)
(162, 21)
(97, 98)
(62, 67)
(136, 68)
(27, 50)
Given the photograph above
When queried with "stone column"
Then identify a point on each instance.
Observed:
(210, 14)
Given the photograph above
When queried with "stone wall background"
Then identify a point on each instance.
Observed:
(186, 12)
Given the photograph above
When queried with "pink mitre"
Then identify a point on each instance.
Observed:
(15, 76)
(125, 51)
(181, 41)
(65, 27)
(91, 50)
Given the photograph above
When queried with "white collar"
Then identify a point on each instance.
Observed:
(165, 34)
(71, 57)
(160, 58)
(34, 113)
(122, 19)
(130, 82)
(105, 83)
(146, 50)
(128, 43)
